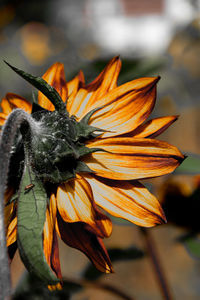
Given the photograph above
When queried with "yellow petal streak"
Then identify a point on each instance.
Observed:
(12, 232)
(76, 204)
(88, 95)
(133, 158)
(153, 127)
(10, 102)
(129, 201)
(74, 201)
(125, 107)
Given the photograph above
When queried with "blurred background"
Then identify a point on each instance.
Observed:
(157, 37)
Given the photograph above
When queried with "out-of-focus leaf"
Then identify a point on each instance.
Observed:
(191, 165)
(120, 221)
(31, 288)
(116, 254)
(192, 245)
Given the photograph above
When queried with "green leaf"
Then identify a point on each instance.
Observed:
(40, 84)
(192, 245)
(116, 254)
(31, 214)
(191, 165)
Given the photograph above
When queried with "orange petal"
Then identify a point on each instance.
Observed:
(74, 201)
(8, 208)
(89, 94)
(73, 87)
(133, 158)
(6, 106)
(17, 101)
(125, 107)
(12, 232)
(54, 76)
(3, 117)
(132, 202)
(8, 213)
(48, 238)
(55, 261)
(75, 204)
(153, 127)
(50, 243)
(75, 235)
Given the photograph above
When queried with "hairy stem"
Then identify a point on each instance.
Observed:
(17, 119)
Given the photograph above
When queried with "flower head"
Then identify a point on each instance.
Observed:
(89, 157)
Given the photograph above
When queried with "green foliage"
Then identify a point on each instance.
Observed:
(30, 288)
(192, 245)
(31, 214)
(191, 165)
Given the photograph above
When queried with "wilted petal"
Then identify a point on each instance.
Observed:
(133, 158)
(55, 261)
(75, 204)
(55, 77)
(12, 232)
(75, 235)
(131, 201)
(89, 94)
(153, 128)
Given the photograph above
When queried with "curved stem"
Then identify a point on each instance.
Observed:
(15, 120)
(158, 269)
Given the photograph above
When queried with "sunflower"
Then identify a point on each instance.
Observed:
(89, 159)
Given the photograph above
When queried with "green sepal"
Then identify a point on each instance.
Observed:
(31, 214)
(40, 84)
(86, 118)
(83, 150)
(57, 176)
(81, 167)
(85, 131)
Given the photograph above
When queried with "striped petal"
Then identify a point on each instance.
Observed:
(133, 158)
(6, 106)
(132, 202)
(17, 101)
(48, 238)
(153, 128)
(126, 107)
(55, 77)
(89, 94)
(73, 86)
(3, 117)
(77, 236)
(12, 232)
(75, 204)
(50, 243)
(10, 102)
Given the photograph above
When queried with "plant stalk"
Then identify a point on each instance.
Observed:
(157, 266)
